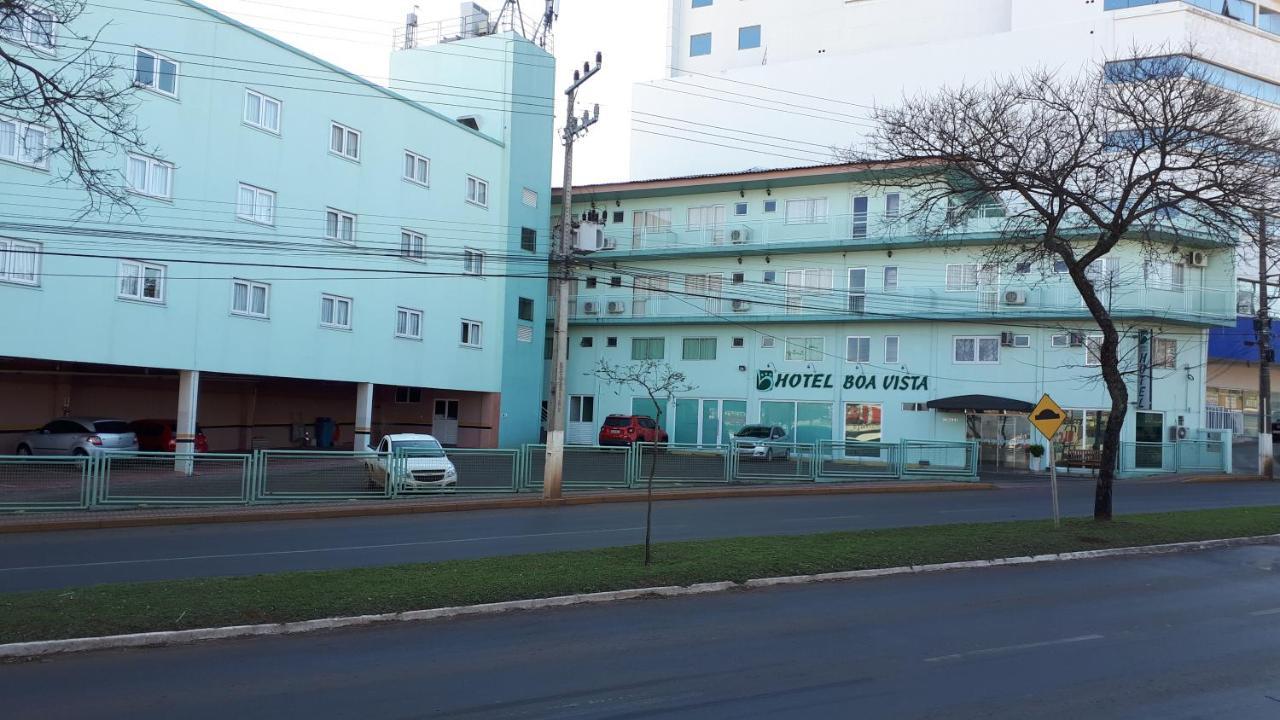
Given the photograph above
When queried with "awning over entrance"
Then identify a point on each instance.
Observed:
(979, 403)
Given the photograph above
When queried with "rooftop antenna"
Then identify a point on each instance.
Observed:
(549, 16)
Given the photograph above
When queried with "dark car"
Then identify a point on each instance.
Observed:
(627, 429)
(162, 436)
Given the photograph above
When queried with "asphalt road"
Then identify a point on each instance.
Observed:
(68, 559)
(1172, 637)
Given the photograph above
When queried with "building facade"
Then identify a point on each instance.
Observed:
(793, 298)
(756, 83)
(1231, 397)
(306, 244)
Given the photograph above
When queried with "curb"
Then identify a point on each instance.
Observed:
(42, 648)
(1224, 479)
(301, 512)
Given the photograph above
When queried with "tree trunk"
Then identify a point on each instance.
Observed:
(1109, 364)
(648, 512)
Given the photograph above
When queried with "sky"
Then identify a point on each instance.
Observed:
(357, 36)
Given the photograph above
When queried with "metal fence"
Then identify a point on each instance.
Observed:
(163, 478)
(844, 461)
(934, 458)
(585, 467)
(299, 475)
(45, 483)
(771, 462)
(680, 464)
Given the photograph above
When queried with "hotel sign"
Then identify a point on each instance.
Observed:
(767, 380)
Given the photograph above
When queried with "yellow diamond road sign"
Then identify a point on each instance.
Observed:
(1048, 416)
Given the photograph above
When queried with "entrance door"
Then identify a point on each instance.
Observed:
(581, 428)
(1149, 432)
(444, 422)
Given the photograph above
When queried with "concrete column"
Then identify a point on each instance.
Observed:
(185, 430)
(364, 416)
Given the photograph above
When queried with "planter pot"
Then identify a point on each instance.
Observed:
(1036, 463)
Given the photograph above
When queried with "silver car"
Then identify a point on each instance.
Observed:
(78, 436)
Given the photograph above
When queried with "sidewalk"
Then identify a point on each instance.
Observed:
(105, 518)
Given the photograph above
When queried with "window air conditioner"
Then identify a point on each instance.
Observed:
(1077, 340)
(740, 235)
(1015, 297)
(617, 307)
(1197, 259)
(591, 308)
(607, 243)
(1006, 339)
(741, 305)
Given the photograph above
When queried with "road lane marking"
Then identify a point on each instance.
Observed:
(1260, 613)
(319, 550)
(1012, 648)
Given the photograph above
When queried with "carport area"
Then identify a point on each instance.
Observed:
(238, 412)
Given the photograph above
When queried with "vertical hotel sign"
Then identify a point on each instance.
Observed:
(1144, 370)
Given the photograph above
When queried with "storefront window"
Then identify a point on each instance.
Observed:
(862, 424)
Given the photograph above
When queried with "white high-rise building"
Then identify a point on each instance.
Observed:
(763, 83)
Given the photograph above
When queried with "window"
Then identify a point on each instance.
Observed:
(256, 205)
(749, 37)
(471, 333)
(24, 143)
(249, 298)
(806, 211)
(698, 349)
(738, 343)
(700, 44)
(891, 343)
(1060, 267)
(155, 72)
(962, 277)
(738, 278)
(417, 169)
(857, 350)
(1022, 268)
(477, 191)
(766, 341)
(148, 176)
(528, 239)
(890, 278)
(524, 333)
(529, 197)
(740, 208)
(590, 283)
(340, 226)
(26, 23)
(472, 262)
(1166, 275)
(709, 218)
(1164, 353)
(805, 349)
(335, 311)
(413, 245)
(702, 3)
(615, 281)
(408, 323)
(1060, 340)
(261, 111)
(859, 210)
(1093, 350)
(586, 342)
(141, 281)
(857, 290)
(19, 262)
(648, 348)
(406, 395)
(582, 408)
(915, 407)
(524, 309)
(646, 223)
(344, 141)
(976, 350)
(770, 206)
(611, 342)
(770, 276)
(892, 206)
(1022, 341)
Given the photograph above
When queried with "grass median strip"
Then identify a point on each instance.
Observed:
(183, 604)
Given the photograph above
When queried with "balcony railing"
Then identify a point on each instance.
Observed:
(1044, 300)
(434, 32)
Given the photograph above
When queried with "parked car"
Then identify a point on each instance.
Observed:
(78, 436)
(425, 466)
(162, 436)
(763, 442)
(627, 429)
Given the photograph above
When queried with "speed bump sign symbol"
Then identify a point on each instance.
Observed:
(1048, 416)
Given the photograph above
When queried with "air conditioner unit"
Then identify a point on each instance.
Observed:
(1197, 259)
(607, 243)
(740, 235)
(617, 307)
(588, 237)
(1006, 339)
(741, 305)
(1015, 297)
(1077, 340)
(591, 308)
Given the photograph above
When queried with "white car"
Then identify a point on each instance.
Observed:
(425, 464)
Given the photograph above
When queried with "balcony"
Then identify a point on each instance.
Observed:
(1048, 300)
(832, 232)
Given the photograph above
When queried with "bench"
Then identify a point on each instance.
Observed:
(1081, 458)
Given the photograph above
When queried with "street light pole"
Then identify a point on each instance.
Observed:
(562, 255)
(1266, 460)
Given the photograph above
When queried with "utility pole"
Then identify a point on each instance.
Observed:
(1266, 355)
(553, 467)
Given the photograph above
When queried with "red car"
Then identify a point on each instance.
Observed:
(626, 429)
(161, 436)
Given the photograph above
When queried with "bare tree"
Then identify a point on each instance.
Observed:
(660, 383)
(1146, 150)
(52, 77)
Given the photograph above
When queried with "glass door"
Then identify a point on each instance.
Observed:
(1149, 434)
